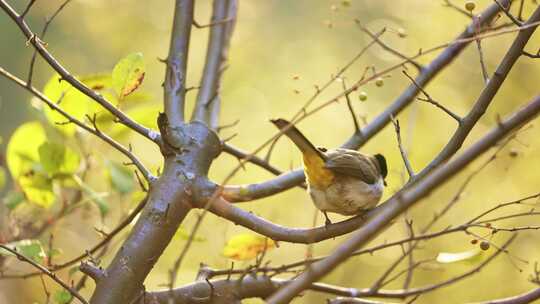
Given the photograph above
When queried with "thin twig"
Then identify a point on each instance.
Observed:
(42, 37)
(506, 11)
(458, 8)
(483, 67)
(351, 109)
(71, 79)
(430, 100)
(27, 9)
(406, 161)
(388, 48)
(43, 270)
(92, 130)
(108, 237)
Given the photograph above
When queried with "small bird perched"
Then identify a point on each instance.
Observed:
(343, 181)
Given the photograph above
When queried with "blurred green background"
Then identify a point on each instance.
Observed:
(279, 51)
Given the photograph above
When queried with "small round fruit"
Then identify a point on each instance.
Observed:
(362, 96)
(484, 245)
(379, 82)
(470, 6)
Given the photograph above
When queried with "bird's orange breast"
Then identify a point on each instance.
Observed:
(317, 175)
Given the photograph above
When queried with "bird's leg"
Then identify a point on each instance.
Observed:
(327, 222)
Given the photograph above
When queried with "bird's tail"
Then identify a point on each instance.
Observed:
(297, 137)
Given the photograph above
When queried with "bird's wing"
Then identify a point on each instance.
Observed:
(352, 163)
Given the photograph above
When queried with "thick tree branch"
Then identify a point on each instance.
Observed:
(403, 200)
(208, 98)
(224, 209)
(175, 74)
(67, 76)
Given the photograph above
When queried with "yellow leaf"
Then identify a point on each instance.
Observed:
(247, 246)
(22, 149)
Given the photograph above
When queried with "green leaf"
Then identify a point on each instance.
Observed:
(62, 296)
(58, 159)
(69, 99)
(128, 74)
(13, 199)
(94, 196)
(121, 178)
(2, 178)
(31, 249)
(37, 188)
(74, 102)
(449, 257)
(22, 153)
(73, 270)
(183, 234)
(101, 83)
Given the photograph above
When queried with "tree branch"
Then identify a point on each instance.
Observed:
(525, 298)
(92, 130)
(175, 75)
(452, 50)
(402, 151)
(486, 97)
(403, 200)
(261, 286)
(45, 271)
(208, 98)
(67, 76)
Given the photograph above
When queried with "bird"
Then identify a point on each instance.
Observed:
(342, 181)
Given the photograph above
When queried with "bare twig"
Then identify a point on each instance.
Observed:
(405, 199)
(351, 109)
(42, 37)
(486, 97)
(452, 50)
(458, 8)
(430, 100)
(388, 48)
(45, 271)
(92, 130)
(406, 161)
(483, 67)
(67, 76)
(262, 286)
(506, 11)
(27, 9)
(108, 237)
